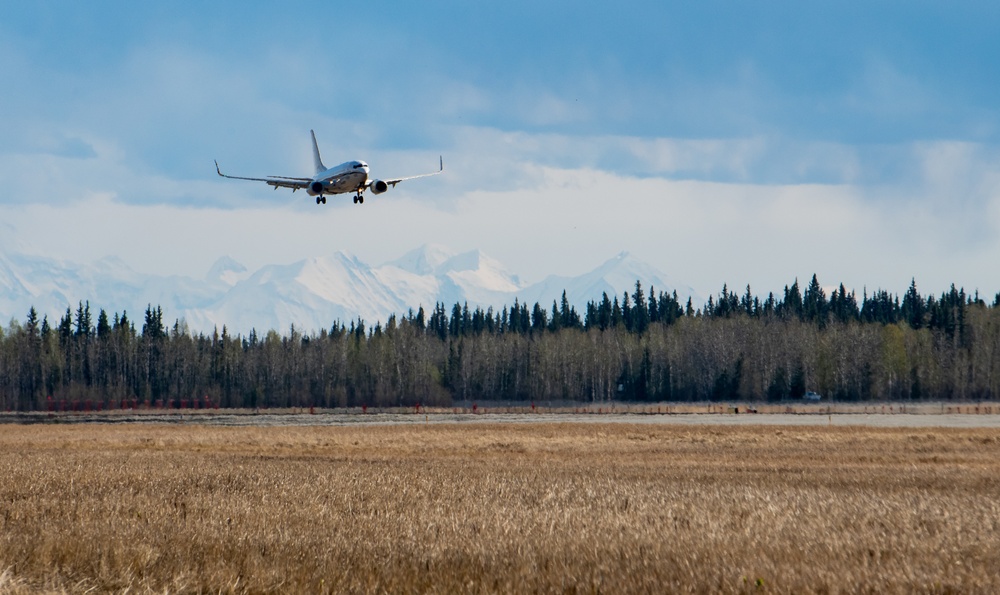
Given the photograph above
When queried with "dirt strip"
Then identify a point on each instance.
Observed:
(875, 420)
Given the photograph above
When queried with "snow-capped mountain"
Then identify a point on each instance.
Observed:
(226, 271)
(615, 277)
(310, 294)
(424, 260)
(52, 285)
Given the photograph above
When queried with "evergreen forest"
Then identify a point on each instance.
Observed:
(633, 347)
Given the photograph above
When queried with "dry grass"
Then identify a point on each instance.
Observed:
(498, 508)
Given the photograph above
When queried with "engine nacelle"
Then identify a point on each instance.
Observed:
(316, 188)
(378, 187)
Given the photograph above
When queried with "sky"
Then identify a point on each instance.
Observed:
(721, 142)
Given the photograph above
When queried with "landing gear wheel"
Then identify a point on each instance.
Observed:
(318, 199)
(361, 200)
(355, 200)
(324, 200)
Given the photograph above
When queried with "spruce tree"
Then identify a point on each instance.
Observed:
(103, 327)
(748, 303)
(627, 312)
(814, 303)
(654, 306)
(616, 314)
(31, 324)
(791, 306)
(556, 322)
(640, 311)
(83, 324)
(606, 312)
(65, 327)
(913, 307)
(564, 311)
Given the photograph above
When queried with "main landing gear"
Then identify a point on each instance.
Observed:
(358, 199)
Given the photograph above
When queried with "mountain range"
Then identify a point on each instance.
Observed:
(309, 294)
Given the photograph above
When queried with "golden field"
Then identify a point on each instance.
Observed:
(570, 508)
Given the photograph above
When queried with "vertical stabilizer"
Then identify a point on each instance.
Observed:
(320, 168)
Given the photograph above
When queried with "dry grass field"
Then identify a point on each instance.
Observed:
(571, 508)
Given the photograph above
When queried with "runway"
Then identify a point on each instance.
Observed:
(272, 419)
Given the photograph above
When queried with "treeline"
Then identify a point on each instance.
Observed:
(637, 348)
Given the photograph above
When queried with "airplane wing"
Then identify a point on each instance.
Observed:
(395, 181)
(276, 181)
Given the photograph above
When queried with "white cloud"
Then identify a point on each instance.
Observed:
(760, 209)
(565, 221)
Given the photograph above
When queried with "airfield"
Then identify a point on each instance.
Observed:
(894, 415)
(511, 500)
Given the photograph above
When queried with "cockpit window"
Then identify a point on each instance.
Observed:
(359, 166)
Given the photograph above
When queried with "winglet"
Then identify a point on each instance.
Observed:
(441, 157)
(219, 171)
(320, 168)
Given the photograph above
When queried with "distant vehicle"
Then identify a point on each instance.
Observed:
(351, 176)
(812, 396)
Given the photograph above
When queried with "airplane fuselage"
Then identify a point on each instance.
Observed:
(350, 176)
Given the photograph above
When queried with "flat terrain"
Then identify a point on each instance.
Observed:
(510, 507)
(894, 415)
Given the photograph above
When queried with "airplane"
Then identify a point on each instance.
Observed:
(351, 176)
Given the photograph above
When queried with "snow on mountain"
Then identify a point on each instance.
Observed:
(433, 273)
(310, 294)
(227, 272)
(476, 278)
(614, 277)
(11, 281)
(411, 289)
(424, 260)
(52, 286)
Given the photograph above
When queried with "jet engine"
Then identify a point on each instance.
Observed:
(378, 186)
(316, 188)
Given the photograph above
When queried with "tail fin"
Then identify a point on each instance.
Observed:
(316, 159)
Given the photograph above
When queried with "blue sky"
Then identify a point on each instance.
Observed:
(721, 142)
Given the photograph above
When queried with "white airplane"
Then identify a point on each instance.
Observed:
(351, 176)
